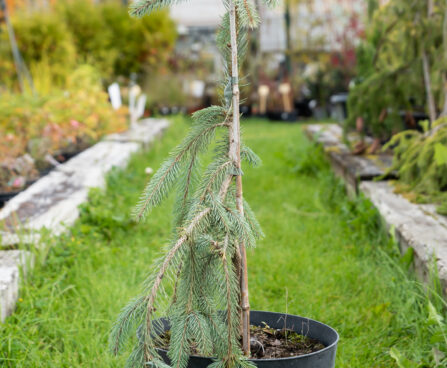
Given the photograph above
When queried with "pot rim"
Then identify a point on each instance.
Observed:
(286, 358)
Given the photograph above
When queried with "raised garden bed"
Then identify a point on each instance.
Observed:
(11, 263)
(353, 169)
(420, 231)
(7, 193)
(52, 201)
(417, 227)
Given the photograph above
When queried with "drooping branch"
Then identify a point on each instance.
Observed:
(225, 186)
(140, 8)
(165, 177)
(173, 251)
(167, 261)
(122, 326)
(222, 167)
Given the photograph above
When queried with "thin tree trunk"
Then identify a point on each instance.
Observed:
(431, 7)
(428, 87)
(235, 155)
(426, 68)
(287, 22)
(444, 74)
(14, 47)
(22, 70)
(444, 83)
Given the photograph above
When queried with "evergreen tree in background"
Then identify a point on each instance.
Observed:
(401, 66)
(206, 260)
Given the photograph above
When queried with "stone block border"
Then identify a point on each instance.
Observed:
(52, 202)
(13, 264)
(353, 169)
(415, 226)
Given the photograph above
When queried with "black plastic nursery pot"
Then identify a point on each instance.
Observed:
(290, 117)
(324, 358)
(6, 196)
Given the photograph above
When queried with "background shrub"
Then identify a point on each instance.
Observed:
(94, 41)
(53, 43)
(63, 122)
(420, 159)
(142, 45)
(44, 42)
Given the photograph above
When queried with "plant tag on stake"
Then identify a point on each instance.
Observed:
(115, 95)
(141, 105)
(197, 88)
(135, 106)
(263, 92)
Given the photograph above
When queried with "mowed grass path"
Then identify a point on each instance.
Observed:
(318, 254)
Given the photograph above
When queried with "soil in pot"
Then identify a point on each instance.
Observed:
(268, 343)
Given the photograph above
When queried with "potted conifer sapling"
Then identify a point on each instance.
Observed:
(208, 320)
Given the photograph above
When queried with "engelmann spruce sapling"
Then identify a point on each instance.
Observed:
(205, 263)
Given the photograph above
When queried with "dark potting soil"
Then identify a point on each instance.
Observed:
(268, 343)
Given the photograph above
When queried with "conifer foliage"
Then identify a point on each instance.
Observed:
(401, 65)
(420, 159)
(206, 260)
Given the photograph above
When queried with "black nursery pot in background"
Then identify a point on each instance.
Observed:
(324, 358)
(6, 196)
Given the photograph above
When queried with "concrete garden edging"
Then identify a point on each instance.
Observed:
(415, 226)
(353, 169)
(52, 202)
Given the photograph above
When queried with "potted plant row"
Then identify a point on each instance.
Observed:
(36, 134)
(208, 321)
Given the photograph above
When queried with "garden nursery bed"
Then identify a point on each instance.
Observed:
(419, 229)
(52, 202)
(15, 186)
(323, 257)
(352, 168)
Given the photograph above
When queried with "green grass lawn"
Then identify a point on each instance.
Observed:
(322, 251)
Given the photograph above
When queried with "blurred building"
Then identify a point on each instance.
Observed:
(272, 36)
(316, 25)
(203, 14)
(197, 23)
(328, 24)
